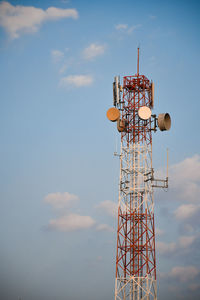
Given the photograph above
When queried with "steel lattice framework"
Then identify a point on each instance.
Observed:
(135, 259)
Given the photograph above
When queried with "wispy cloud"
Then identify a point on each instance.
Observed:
(133, 28)
(104, 227)
(188, 217)
(93, 50)
(121, 26)
(181, 281)
(63, 68)
(67, 221)
(108, 207)
(76, 80)
(182, 244)
(183, 274)
(185, 179)
(187, 211)
(71, 222)
(57, 55)
(125, 28)
(61, 200)
(61, 60)
(17, 20)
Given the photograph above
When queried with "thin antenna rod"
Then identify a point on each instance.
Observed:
(138, 57)
(167, 160)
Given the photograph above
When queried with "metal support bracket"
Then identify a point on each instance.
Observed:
(154, 121)
(158, 183)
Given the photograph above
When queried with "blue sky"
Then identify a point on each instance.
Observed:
(59, 179)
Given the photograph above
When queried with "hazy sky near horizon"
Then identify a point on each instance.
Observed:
(59, 178)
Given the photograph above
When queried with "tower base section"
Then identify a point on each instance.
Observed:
(135, 288)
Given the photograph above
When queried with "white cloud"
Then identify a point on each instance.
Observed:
(19, 19)
(76, 80)
(185, 179)
(61, 200)
(133, 28)
(63, 68)
(186, 211)
(109, 207)
(93, 50)
(57, 55)
(71, 222)
(124, 28)
(104, 227)
(183, 274)
(183, 243)
(121, 26)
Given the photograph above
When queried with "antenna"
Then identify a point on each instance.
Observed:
(167, 160)
(138, 57)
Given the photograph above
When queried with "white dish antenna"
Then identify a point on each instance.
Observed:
(144, 113)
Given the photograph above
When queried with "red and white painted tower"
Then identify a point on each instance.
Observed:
(135, 259)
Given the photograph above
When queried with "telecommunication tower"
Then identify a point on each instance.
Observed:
(135, 259)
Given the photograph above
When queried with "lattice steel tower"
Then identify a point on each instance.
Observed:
(135, 259)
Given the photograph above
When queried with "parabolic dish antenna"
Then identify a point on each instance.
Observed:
(144, 113)
(113, 114)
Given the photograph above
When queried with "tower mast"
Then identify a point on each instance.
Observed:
(135, 277)
(138, 59)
